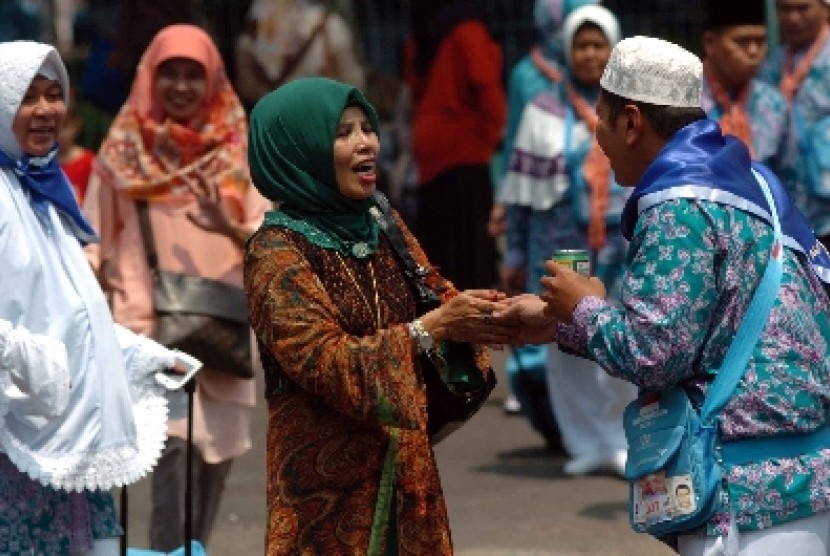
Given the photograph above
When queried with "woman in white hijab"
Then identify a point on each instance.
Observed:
(80, 411)
(566, 199)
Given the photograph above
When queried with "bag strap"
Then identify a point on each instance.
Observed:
(291, 63)
(570, 118)
(393, 232)
(737, 357)
(143, 209)
(189, 388)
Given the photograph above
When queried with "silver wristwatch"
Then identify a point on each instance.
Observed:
(424, 342)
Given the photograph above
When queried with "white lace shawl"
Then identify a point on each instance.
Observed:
(111, 426)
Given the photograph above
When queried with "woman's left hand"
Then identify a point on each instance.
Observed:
(565, 288)
(213, 215)
(467, 317)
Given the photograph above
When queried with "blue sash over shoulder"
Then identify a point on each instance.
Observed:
(700, 163)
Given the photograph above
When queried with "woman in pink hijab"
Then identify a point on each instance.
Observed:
(178, 148)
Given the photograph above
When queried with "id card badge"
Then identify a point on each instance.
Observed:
(652, 501)
(659, 498)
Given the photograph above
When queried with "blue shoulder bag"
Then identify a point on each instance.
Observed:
(675, 457)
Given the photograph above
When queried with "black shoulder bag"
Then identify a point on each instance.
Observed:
(206, 318)
(454, 386)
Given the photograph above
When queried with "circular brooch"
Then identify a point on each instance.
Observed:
(360, 250)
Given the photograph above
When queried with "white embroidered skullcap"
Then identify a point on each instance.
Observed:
(654, 71)
(597, 15)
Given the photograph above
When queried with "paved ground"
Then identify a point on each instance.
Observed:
(506, 497)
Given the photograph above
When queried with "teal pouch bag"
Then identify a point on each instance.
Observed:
(672, 466)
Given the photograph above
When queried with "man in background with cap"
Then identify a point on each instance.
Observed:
(700, 238)
(735, 45)
(800, 68)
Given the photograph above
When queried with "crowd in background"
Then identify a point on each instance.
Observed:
(493, 164)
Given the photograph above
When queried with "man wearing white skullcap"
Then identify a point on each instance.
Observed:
(701, 231)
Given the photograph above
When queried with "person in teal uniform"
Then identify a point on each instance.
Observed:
(735, 46)
(700, 237)
(800, 68)
(541, 69)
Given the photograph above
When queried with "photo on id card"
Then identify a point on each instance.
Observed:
(683, 494)
(652, 502)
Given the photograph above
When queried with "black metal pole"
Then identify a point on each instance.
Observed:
(190, 388)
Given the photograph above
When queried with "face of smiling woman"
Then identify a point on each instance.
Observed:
(40, 116)
(356, 147)
(181, 88)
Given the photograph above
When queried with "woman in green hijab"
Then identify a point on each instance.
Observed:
(350, 463)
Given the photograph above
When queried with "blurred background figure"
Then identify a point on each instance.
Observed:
(102, 86)
(20, 20)
(559, 193)
(454, 71)
(178, 149)
(531, 75)
(800, 68)
(75, 160)
(287, 39)
(539, 70)
(734, 47)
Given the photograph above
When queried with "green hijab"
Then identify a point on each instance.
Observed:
(291, 154)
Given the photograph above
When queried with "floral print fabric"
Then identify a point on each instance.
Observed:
(693, 267)
(50, 522)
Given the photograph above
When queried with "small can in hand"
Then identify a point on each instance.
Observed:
(578, 259)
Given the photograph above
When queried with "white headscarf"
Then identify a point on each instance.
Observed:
(114, 425)
(20, 62)
(597, 15)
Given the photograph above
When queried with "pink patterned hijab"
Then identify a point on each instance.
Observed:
(147, 155)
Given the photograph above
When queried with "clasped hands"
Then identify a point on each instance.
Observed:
(492, 318)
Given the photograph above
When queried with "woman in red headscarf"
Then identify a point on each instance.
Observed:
(176, 156)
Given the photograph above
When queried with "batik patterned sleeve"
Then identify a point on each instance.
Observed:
(669, 293)
(367, 378)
